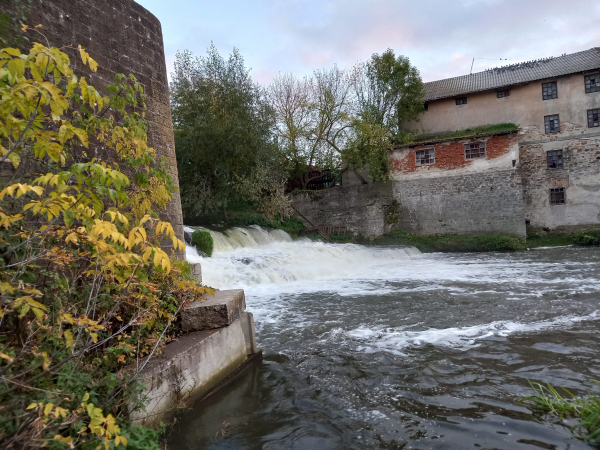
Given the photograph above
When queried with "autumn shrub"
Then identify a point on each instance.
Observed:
(85, 287)
(203, 241)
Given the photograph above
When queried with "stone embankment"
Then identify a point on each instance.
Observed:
(219, 345)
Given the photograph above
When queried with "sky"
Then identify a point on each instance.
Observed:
(440, 38)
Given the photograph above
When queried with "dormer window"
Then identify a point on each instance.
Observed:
(592, 83)
(461, 101)
(502, 94)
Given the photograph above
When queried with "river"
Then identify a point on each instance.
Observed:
(385, 347)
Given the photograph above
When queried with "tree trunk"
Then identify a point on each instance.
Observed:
(225, 217)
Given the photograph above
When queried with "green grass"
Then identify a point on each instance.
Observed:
(475, 243)
(453, 242)
(468, 132)
(547, 400)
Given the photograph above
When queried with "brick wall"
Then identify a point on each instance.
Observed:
(450, 155)
(468, 203)
(122, 37)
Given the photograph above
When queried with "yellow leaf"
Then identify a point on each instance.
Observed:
(24, 28)
(70, 342)
(94, 337)
(48, 408)
(8, 358)
(33, 405)
(121, 359)
(86, 397)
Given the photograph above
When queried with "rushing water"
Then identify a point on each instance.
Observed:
(384, 347)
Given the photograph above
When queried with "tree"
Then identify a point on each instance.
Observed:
(352, 116)
(388, 92)
(312, 119)
(223, 133)
(85, 287)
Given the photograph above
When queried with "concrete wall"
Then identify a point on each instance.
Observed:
(367, 210)
(524, 106)
(122, 37)
(466, 203)
(459, 195)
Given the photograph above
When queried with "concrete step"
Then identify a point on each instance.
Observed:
(213, 312)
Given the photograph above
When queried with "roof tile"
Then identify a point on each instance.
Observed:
(514, 74)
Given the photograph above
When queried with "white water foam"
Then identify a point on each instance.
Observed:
(463, 338)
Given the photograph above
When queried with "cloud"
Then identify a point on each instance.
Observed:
(441, 38)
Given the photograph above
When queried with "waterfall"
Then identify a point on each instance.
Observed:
(252, 236)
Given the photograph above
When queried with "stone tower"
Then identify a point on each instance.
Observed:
(122, 37)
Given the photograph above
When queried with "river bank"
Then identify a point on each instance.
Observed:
(475, 243)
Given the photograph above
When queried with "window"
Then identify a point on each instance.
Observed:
(592, 83)
(426, 106)
(549, 90)
(593, 118)
(502, 94)
(461, 101)
(475, 150)
(555, 159)
(552, 124)
(557, 196)
(425, 156)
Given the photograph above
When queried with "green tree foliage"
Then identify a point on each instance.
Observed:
(203, 241)
(85, 287)
(389, 92)
(226, 150)
(352, 116)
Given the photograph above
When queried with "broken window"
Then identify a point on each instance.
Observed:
(502, 94)
(426, 156)
(426, 106)
(593, 118)
(475, 150)
(552, 123)
(555, 159)
(549, 90)
(557, 196)
(461, 101)
(592, 83)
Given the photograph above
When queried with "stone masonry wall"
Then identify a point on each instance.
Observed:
(122, 37)
(470, 203)
(366, 210)
(580, 176)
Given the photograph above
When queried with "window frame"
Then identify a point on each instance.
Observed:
(459, 101)
(505, 93)
(481, 145)
(590, 117)
(546, 127)
(554, 192)
(545, 86)
(419, 161)
(587, 78)
(555, 153)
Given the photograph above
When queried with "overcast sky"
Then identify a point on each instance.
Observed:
(441, 37)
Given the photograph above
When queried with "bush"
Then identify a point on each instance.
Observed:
(590, 237)
(85, 287)
(203, 241)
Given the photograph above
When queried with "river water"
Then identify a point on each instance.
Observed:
(385, 347)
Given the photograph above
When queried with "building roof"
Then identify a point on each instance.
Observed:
(514, 74)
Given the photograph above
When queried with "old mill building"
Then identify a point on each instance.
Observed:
(544, 172)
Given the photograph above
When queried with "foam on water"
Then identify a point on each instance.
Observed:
(462, 338)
